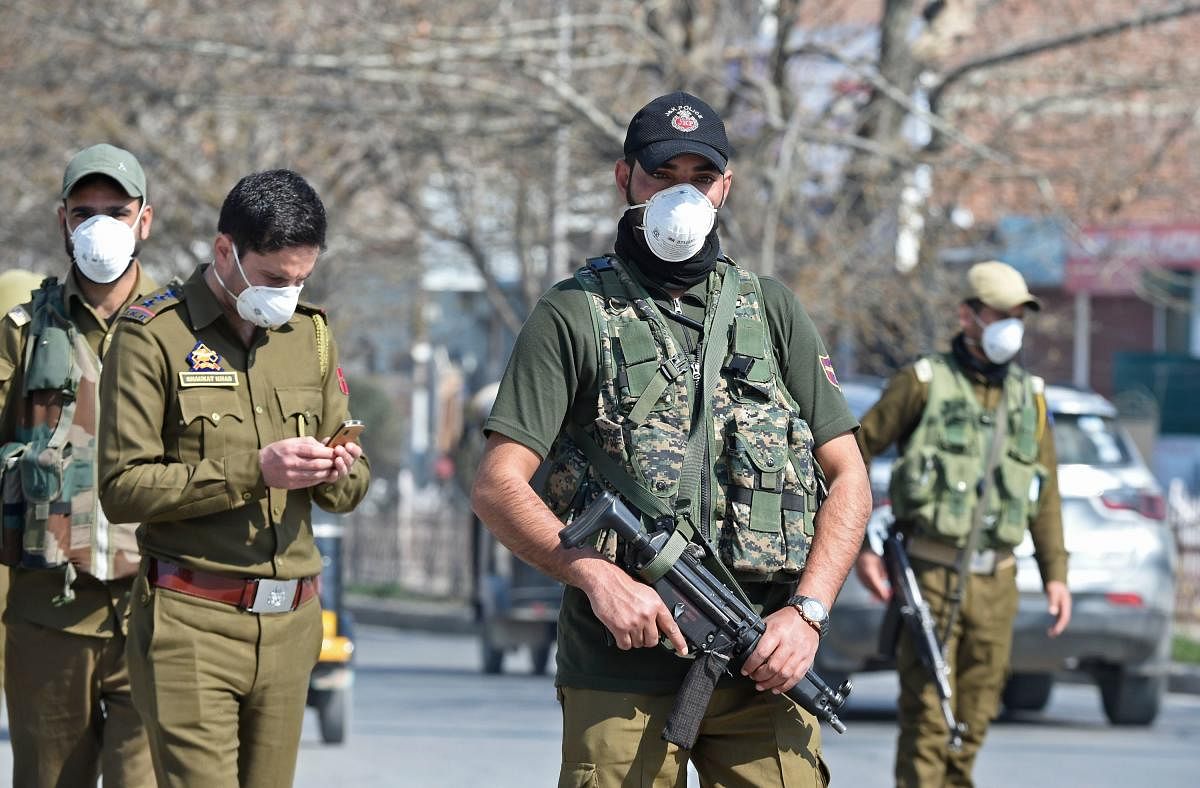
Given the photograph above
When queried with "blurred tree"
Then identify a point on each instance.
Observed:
(483, 132)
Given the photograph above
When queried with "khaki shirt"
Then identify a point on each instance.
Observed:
(99, 608)
(899, 410)
(179, 452)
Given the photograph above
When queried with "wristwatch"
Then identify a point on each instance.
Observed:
(812, 611)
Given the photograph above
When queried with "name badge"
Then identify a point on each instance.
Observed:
(204, 369)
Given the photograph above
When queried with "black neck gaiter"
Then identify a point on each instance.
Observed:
(992, 373)
(631, 247)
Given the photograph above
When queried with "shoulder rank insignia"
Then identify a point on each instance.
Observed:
(204, 369)
(18, 315)
(144, 309)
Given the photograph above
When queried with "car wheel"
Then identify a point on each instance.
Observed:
(1028, 691)
(1130, 698)
(493, 657)
(331, 711)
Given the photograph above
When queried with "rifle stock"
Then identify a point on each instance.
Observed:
(712, 618)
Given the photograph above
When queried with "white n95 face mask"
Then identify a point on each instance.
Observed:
(102, 247)
(1001, 340)
(676, 222)
(265, 307)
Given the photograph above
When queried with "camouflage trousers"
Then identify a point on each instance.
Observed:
(977, 651)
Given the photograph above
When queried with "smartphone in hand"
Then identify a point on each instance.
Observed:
(347, 433)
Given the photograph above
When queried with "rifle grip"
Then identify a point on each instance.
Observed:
(590, 521)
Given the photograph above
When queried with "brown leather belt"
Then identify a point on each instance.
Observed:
(256, 595)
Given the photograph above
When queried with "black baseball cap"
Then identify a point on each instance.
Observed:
(674, 124)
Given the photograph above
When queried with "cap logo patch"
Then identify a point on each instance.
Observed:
(684, 118)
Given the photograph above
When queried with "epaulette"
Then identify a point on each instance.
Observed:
(923, 369)
(1038, 384)
(19, 315)
(143, 310)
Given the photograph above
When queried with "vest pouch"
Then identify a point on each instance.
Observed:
(751, 538)
(956, 495)
(957, 426)
(915, 480)
(46, 540)
(13, 502)
(41, 469)
(50, 367)
(567, 467)
(1019, 490)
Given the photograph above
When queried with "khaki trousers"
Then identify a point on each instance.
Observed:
(70, 713)
(978, 652)
(748, 739)
(222, 691)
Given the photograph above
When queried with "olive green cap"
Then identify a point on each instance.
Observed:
(104, 159)
(999, 286)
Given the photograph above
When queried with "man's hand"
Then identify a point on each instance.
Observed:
(295, 463)
(1058, 602)
(873, 574)
(784, 653)
(632, 611)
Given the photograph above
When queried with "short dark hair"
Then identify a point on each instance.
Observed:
(273, 210)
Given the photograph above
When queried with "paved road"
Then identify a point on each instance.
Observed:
(425, 717)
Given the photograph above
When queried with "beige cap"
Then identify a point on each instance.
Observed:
(999, 286)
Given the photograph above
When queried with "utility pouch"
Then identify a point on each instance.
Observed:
(50, 367)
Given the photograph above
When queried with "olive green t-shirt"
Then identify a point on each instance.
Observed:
(552, 376)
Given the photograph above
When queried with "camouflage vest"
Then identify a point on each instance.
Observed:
(935, 484)
(52, 516)
(764, 498)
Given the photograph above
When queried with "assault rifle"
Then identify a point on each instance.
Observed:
(916, 615)
(717, 625)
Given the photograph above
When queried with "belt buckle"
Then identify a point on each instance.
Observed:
(983, 562)
(273, 596)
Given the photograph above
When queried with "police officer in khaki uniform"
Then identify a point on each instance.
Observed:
(942, 411)
(222, 390)
(607, 377)
(69, 706)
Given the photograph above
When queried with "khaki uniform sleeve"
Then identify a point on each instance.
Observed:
(894, 417)
(11, 358)
(1047, 532)
(344, 494)
(138, 482)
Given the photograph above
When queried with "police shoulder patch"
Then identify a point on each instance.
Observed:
(19, 315)
(143, 310)
(923, 369)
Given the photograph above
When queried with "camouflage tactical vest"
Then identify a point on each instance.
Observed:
(52, 516)
(935, 484)
(760, 450)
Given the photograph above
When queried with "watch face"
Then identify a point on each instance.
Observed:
(813, 609)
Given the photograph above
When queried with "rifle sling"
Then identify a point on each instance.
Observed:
(683, 726)
(999, 436)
